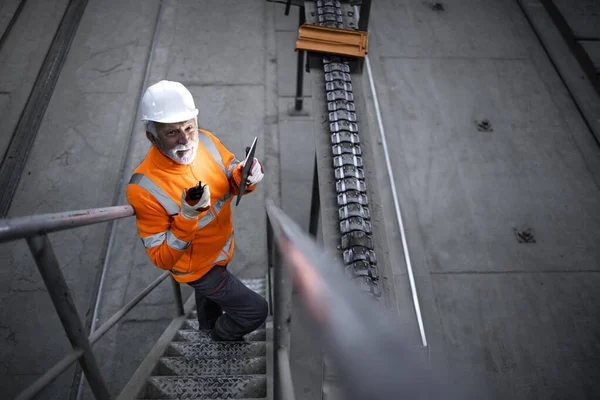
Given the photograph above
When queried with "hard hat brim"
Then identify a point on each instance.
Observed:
(181, 117)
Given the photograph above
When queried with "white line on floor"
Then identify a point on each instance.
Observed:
(411, 278)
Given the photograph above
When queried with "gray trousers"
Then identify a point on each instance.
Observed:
(219, 290)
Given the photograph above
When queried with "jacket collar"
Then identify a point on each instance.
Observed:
(165, 163)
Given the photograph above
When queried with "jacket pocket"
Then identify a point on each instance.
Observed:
(185, 263)
(190, 262)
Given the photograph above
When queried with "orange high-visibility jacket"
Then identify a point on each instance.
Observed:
(187, 248)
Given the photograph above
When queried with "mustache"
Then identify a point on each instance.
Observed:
(181, 147)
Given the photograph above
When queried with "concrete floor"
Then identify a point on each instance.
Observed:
(520, 319)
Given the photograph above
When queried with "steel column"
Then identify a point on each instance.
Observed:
(282, 295)
(178, 298)
(270, 262)
(284, 376)
(282, 288)
(59, 292)
(315, 203)
(365, 12)
(299, 66)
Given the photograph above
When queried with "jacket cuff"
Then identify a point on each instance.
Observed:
(237, 174)
(237, 178)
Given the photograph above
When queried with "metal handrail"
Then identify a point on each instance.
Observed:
(364, 341)
(24, 227)
(35, 230)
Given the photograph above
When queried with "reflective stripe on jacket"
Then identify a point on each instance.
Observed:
(187, 248)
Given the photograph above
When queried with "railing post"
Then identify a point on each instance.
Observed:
(299, 66)
(365, 12)
(284, 376)
(178, 297)
(315, 203)
(270, 262)
(46, 261)
(282, 288)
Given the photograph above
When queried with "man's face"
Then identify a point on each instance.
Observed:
(178, 141)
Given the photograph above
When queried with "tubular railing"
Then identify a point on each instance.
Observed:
(35, 230)
(363, 341)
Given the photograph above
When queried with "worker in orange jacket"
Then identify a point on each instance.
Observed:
(194, 242)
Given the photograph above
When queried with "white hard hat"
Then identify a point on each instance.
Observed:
(168, 102)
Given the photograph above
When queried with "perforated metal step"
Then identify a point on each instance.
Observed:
(190, 335)
(202, 387)
(212, 366)
(216, 349)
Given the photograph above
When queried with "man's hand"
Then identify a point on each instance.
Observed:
(256, 172)
(192, 212)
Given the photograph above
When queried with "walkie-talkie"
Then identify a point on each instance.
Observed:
(194, 194)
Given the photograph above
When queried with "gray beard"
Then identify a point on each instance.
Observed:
(186, 160)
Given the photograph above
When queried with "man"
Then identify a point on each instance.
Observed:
(194, 242)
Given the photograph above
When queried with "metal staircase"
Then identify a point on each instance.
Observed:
(187, 364)
(362, 340)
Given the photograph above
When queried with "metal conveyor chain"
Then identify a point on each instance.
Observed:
(354, 213)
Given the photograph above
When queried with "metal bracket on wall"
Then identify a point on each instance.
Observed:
(332, 30)
(336, 41)
(328, 28)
